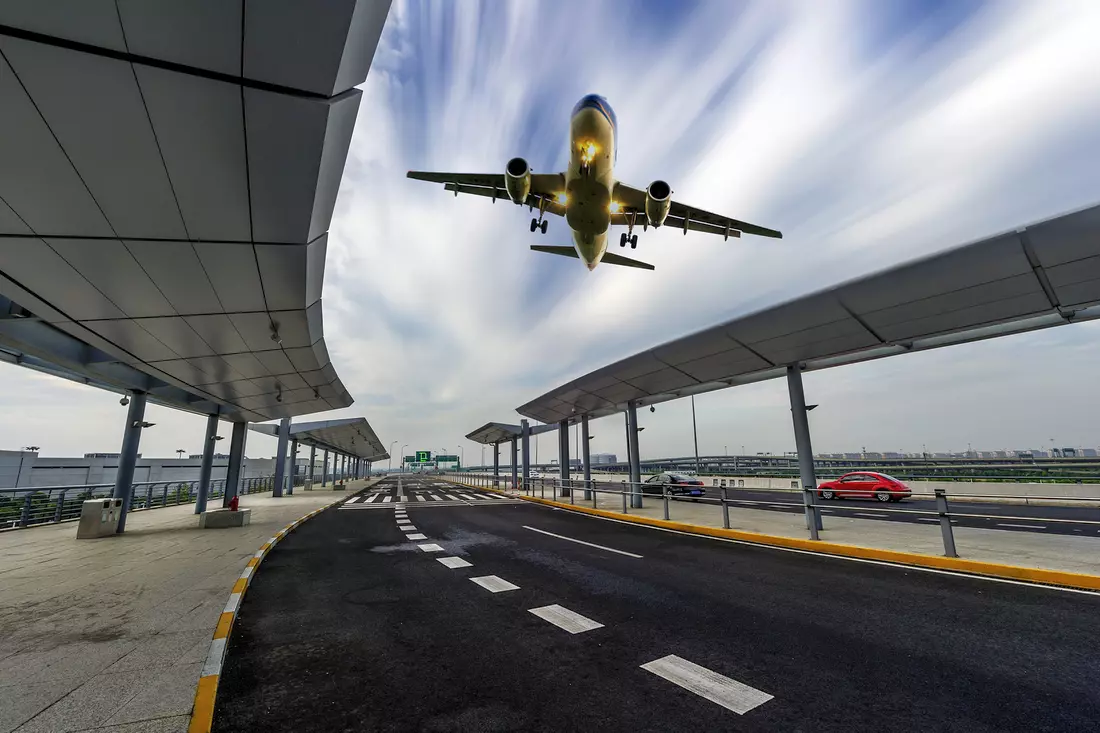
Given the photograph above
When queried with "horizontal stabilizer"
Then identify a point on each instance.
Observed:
(613, 259)
(550, 250)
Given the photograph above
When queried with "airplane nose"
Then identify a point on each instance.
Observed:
(591, 266)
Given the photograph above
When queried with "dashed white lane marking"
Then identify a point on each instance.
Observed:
(353, 500)
(452, 497)
(865, 514)
(730, 694)
(373, 498)
(416, 536)
(467, 497)
(582, 542)
(387, 498)
(419, 497)
(404, 498)
(407, 528)
(430, 548)
(493, 584)
(433, 497)
(563, 618)
(1022, 526)
(403, 521)
(928, 519)
(454, 562)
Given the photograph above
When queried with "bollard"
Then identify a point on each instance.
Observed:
(811, 512)
(624, 498)
(593, 492)
(945, 524)
(725, 510)
(25, 516)
(571, 492)
(148, 497)
(665, 493)
(59, 509)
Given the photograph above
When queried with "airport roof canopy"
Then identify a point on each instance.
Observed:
(494, 432)
(353, 436)
(1043, 275)
(169, 174)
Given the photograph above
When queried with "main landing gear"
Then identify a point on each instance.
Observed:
(536, 224)
(631, 238)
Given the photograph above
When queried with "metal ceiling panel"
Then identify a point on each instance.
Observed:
(93, 22)
(178, 274)
(316, 378)
(1067, 238)
(9, 222)
(110, 267)
(232, 270)
(183, 370)
(989, 288)
(645, 363)
(281, 268)
(657, 382)
(205, 34)
(177, 334)
(128, 335)
(36, 180)
(246, 364)
(217, 369)
(494, 432)
(217, 331)
(274, 25)
(285, 380)
(199, 126)
(93, 106)
(38, 268)
(307, 359)
(276, 362)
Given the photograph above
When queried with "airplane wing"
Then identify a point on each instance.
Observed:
(632, 201)
(544, 186)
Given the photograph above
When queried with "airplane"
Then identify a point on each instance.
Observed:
(589, 197)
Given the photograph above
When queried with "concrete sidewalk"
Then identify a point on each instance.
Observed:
(1027, 549)
(111, 634)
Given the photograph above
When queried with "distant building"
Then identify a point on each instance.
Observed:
(27, 468)
(598, 458)
(1089, 452)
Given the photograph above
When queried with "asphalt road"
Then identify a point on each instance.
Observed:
(1004, 517)
(350, 625)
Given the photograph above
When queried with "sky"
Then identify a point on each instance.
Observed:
(870, 133)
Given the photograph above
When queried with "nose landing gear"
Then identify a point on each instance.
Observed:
(625, 238)
(536, 224)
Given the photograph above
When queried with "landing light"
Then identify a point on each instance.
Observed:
(614, 207)
(590, 150)
(563, 198)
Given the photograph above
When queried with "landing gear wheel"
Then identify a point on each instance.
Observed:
(534, 224)
(543, 226)
(634, 242)
(622, 239)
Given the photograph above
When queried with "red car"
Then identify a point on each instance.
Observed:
(864, 485)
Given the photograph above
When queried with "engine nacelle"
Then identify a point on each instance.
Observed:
(658, 199)
(517, 179)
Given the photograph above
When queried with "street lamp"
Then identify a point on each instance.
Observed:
(403, 457)
(695, 434)
(180, 452)
(389, 464)
(462, 452)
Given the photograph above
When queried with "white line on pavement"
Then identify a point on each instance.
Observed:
(387, 498)
(563, 618)
(494, 584)
(865, 514)
(430, 548)
(1022, 526)
(419, 497)
(454, 562)
(582, 542)
(730, 694)
(407, 528)
(452, 498)
(353, 499)
(416, 536)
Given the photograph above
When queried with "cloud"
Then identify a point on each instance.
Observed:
(870, 133)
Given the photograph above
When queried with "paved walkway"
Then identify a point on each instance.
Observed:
(110, 634)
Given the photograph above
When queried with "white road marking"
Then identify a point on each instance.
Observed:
(470, 498)
(494, 584)
(234, 603)
(373, 498)
(404, 498)
(433, 497)
(582, 542)
(454, 562)
(416, 537)
(864, 514)
(407, 528)
(730, 694)
(387, 498)
(213, 664)
(452, 498)
(403, 521)
(430, 548)
(778, 506)
(563, 618)
(419, 497)
(353, 499)
(1022, 526)
(928, 519)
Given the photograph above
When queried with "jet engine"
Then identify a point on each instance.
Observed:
(517, 179)
(657, 202)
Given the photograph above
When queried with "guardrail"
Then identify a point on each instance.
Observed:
(633, 496)
(30, 506)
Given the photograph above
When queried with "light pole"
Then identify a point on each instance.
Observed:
(180, 452)
(403, 457)
(462, 453)
(389, 464)
(442, 453)
(19, 472)
(483, 455)
(695, 434)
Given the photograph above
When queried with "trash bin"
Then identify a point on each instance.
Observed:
(99, 518)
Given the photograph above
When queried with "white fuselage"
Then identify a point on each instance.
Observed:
(589, 180)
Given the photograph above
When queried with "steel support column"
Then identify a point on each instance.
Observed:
(312, 461)
(635, 461)
(236, 459)
(324, 470)
(293, 467)
(525, 427)
(131, 439)
(805, 451)
(515, 463)
(563, 456)
(496, 465)
(207, 463)
(280, 457)
(586, 458)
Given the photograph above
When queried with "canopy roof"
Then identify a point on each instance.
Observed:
(494, 432)
(353, 436)
(1043, 275)
(169, 174)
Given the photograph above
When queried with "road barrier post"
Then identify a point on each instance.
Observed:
(59, 508)
(571, 491)
(624, 498)
(164, 497)
(148, 497)
(945, 524)
(725, 510)
(25, 515)
(812, 521)
(665, 497)
(592, 485)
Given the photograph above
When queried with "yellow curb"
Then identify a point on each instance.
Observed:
(202, 712)
(937, 562)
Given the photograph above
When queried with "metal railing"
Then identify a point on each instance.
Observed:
(30, 506)
(633, 497)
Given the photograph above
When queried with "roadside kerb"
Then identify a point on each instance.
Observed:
(202, 714)
(937, 562)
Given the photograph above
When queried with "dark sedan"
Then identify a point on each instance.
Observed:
(676, 483)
